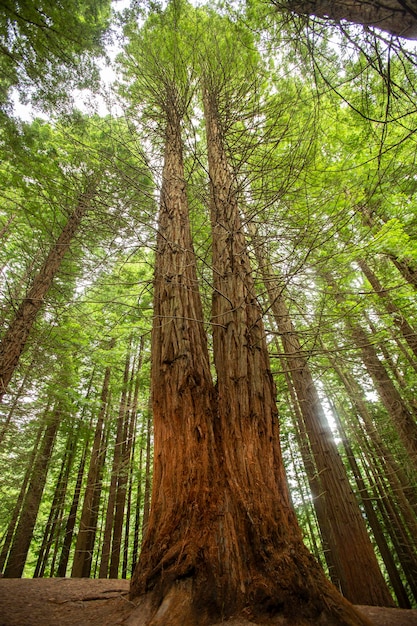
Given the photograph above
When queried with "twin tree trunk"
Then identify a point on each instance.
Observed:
(222, 537)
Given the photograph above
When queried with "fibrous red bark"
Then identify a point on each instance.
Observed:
(222, 537)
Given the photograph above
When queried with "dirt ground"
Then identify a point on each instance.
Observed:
(87, 602)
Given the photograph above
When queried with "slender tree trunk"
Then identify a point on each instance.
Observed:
(396, 408)
(15, 337)
(311, 473)
(391, 467)
(138, 517)
(147, 490)
(120, 500)
(387, 479)
(313, 529)
(82, 557)
(373, 520)
(408, 333)
(354, 558)
(57, 506)
(23, 489)
(91, 555)
(401, 417)
(24, 531)
(406, 551)
(130, 454)
(117, 455)
(72, 515)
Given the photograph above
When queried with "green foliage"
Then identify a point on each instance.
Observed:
(46, 47)
(392, 239)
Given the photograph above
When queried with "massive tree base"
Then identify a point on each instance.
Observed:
(178, 608)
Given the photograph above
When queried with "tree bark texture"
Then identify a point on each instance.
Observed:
(265, 564)
(185, 480)
(222, 536)
(15, 337)
(398, 17)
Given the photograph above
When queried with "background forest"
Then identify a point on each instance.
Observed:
(319, 123)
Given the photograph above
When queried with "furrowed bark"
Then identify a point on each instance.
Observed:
(269, 568)
(398, 17)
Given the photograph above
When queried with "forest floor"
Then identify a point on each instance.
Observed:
(88, 602)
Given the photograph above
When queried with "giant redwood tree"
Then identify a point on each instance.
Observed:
(222, 538)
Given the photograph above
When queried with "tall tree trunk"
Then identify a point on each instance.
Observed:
(185, 477)
(372, 517)
(258, 517)
(386, 477)
(356, 565)
(15, 337)
(120, 500)
(57, 506)
(130, 454)
(90, 554)
(394, 404)
(11, 527)
(397, 409)
(311, 474)
(408, 333)
(147, 490)
(72, 515)
(24, 531)
(392, 467)
(117, 455)
(397, 17)
(82, 557)
(138, 517)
